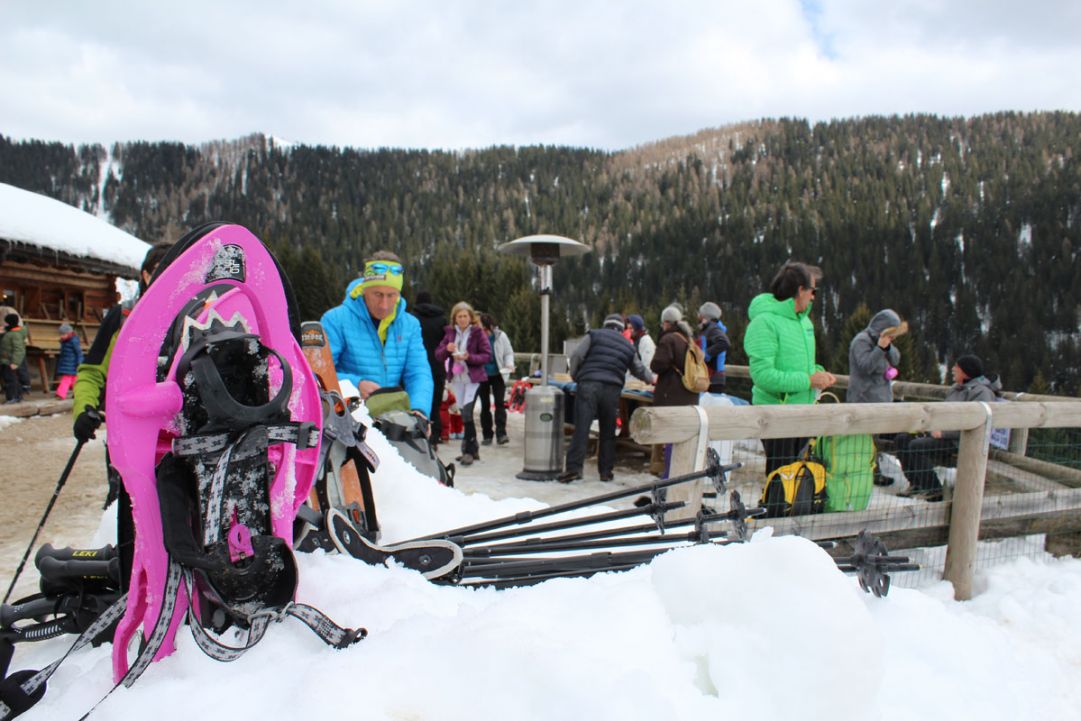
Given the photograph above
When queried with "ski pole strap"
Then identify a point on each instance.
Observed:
(25, 688)
(304, 435)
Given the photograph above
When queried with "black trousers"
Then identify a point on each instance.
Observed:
(781, 451)
(469, 439)
(12, 387)
(495, 388)
(919, 456)
(600, 401)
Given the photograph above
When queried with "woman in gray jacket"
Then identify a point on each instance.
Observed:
(872, 364)
(873, 360)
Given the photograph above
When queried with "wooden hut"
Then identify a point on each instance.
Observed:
(59, 264)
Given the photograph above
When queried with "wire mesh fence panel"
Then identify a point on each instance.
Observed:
(833, 487)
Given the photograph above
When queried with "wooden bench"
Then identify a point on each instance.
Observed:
(43, 344)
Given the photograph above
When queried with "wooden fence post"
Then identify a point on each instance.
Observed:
(967, 502)
(687, 457)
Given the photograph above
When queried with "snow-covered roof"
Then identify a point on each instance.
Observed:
(43, 222)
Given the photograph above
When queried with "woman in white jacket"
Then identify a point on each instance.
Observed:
(499, 368)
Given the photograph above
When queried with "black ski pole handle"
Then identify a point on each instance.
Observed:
(64, 572)
(105, 553)
(48, 509)
(35, 607)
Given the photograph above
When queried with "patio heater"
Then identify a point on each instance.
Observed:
(543, 403)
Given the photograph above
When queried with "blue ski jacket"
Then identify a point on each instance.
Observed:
(360, 355)
(69, 357)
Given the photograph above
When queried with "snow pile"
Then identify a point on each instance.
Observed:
(765, 630)
(46, 223)
(6, 421)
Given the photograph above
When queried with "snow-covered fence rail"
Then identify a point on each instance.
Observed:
(1054, 506)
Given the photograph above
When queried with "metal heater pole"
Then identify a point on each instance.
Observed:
(546, 291)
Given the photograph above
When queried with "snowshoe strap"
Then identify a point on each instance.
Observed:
(304, 435)
(331, 633)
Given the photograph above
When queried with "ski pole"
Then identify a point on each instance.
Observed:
(568, 523)
(519, 566)
(534, 579)
(557, 544)
(713, 471)
(48, 509)
(701, 519)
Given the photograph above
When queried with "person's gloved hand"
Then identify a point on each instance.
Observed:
(86, 424)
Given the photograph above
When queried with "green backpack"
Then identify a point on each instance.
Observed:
(850, 470)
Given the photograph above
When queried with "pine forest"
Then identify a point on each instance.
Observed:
(970, 228)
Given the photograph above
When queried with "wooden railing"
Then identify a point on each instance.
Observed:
(685, 427)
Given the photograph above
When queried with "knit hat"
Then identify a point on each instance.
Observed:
(970, 365)
(615, 320)
(386, 273)
(710, 311)
(65, 328)
(11, 319)
(671, 314)
(636, 322)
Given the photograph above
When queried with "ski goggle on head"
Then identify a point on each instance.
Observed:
(380, 273)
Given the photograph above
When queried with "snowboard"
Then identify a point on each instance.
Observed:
(341, 484)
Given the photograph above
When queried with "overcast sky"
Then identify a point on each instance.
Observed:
(472, 73)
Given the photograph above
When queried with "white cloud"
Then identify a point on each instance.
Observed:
(467, 73)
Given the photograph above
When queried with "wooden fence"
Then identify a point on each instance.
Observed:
(1052, 503)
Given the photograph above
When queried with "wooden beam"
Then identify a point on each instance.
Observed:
(675, 424)
(919, 391)
(1052, 471)
(919, 517)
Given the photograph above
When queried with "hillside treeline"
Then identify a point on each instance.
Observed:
(968, 227)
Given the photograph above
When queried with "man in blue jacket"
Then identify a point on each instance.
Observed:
(375, 343)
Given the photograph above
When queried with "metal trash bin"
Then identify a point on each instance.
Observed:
(543, 434)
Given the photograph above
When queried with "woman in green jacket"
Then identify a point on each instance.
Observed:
(780, 347)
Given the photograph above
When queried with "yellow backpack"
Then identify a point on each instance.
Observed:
(695, 373)
(795, 489)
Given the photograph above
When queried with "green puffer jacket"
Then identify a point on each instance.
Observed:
(780, 347)
(13, 346)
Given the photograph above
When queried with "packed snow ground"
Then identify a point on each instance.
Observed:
(768, 630)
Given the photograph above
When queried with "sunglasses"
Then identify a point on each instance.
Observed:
(383, 269)
(814, 292)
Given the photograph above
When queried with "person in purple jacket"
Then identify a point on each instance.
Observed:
(464, 351)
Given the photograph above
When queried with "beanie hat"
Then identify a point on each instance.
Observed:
(65, 328)
(615, 320)
(710, 311)
(636, 322)
(971, 365)
(671, 314)
(386, 273)
(11, 319)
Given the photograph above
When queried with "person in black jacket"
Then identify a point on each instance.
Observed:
(433, 321)
(599, 365)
